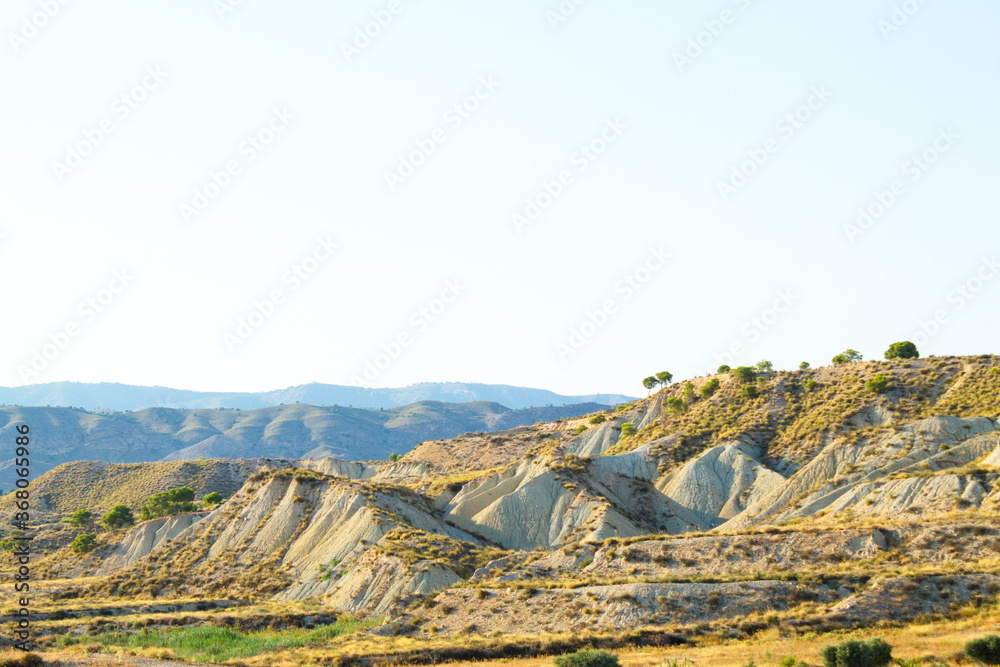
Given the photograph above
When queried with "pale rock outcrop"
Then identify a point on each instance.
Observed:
(378, 583)
(933, 444)
(720, 483)
(141, 540)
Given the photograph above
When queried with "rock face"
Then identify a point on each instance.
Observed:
(869, 477)
(143, 539)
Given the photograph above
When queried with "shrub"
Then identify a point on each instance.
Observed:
(79, 518)
(688, 392)
(877, 384)
(857, 653)
(84, 543)
(24, 660)
(744, 374)
(750, 391)
(166, 503)
(984, 650)
(675, 405)
(723, 369)
(847, 356)
(598, 419)
(804, 366)
(213, 498)
(628, 428)
(395, 457)
(902, 350)
(765, 365)
(119, 517)
(579, 429)
(710, 387)
(588, 657)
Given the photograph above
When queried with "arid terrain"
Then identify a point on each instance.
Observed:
(707, 522)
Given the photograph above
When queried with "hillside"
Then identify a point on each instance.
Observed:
(287, 431)
(817, 504)
(121, 397)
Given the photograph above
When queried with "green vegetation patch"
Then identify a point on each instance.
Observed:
(216, 644)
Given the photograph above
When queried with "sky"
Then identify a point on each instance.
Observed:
(241, 195)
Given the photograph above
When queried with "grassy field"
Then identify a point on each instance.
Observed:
(217, 644)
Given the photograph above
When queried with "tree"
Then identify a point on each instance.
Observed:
(688, 393)
(213, 498)
(877, 384)
(395, 457)
(119, 517)
(723, 369)
(166, 503)
(765, 365)
(804, 366)
(79, 518)
(710, 387)
(902, 350)
(744, 374)
(664, 378)
(84, 543)
(847, 356)
(649, 383)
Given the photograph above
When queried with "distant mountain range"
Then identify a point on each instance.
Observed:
(121, 397)
(290, 431)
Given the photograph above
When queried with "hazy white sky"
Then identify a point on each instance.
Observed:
(217, 194)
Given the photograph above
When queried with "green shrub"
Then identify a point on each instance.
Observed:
(744, 374)
(166, 503)
(750, 391)
(79, 518)
(119, 517)
(857, 653)
(675, 405)
(723, 369)
(84, 543)
(984, 650)
(598, 419)
(579, 429)
(804, 366)
(688, 392)
(588, 657)
(628, 428)
(710, 387)
(765, 365)
(213, 498)
(902, 350)
(877, 384)
(395, 457)
(847, 356)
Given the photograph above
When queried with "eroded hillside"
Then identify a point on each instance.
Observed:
(818, 503)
